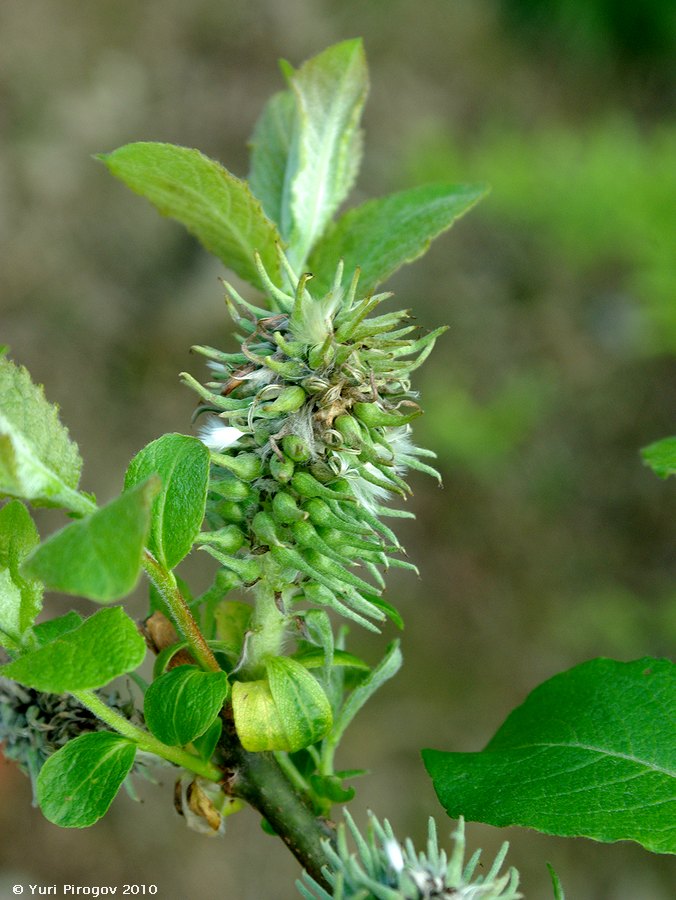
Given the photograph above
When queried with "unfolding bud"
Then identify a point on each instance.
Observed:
(308, 486)
(230, 488)
(265, 529)
(228, 539)
(286, 711)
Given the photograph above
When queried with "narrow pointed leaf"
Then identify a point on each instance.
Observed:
(590, 753)
(272, 164)
(387, 668)
(330, 92)
(78, 783)
(98, 557)
(38, 460)
(20, 596)
(216, 207)
(183, 703)
(104, 646)
(382, 235)
(182, 462)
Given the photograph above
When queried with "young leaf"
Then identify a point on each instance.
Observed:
(271, 162)
(48, 631)
(288, 711)
(590, 753)
(216, 207)
(183, 703)
(182, 463)
(206, 743)
(78, 783)
(104, 646)
(386, 669)
(98, 557)
(20, 597)
(38, 460)
(557, 887)
(382, 235)
(330, 91)
(661, 457)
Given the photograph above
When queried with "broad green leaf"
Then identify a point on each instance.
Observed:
(330, 91)
(78, 783)
(182, 463)
(661, 457)
(183, 703)
(216, 207)
(48, 631)
(38, 460)
(288, 711)
(590, 753)
(272, 166)
(382, 235)
(20, 596)
(206, 743)
(98, 557)
(104, 646)
(386, 669)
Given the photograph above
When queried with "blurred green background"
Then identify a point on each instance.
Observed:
(550, 542)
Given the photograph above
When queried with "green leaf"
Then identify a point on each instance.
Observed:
(98, 557)
(206, 743)
(590, 753)
(557, 887)
(78, 783)
(381, 235)
(386, 669)
(288, 711)
(271, 162)
(183, 703)
(216, 207)
(104, 646)
(20, 596)
(314, 659)
(182, 463)
(38, 460)
(661, 457)
(330, 91)
(48, 631)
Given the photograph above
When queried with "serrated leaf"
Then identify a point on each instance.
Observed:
(182, 462)
(590, 753)
(661, 457)
(78, 783)
(183, 703)
(209, 201)
(98, 557)
(382, 235)
(330, 91)
(272, 165)
(104, 646)
(48, 631)
(38, 460)
(20, 596)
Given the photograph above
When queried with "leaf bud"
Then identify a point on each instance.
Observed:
(265, 529)
(373, 415)
(229, 539)
(246, 466)
(290, 399)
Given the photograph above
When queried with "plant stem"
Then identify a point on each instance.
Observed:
(166, 585)
(267, 628)
(144, 740)
(258, 779)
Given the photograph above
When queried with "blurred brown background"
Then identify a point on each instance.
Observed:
(550, 542)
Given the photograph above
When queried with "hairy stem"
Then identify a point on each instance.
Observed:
(144, 740)
(267, 628)
(166, 585)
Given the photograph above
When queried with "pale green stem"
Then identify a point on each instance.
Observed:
(144, 740)
(166, 586)
(266, 635)
(291, 771)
